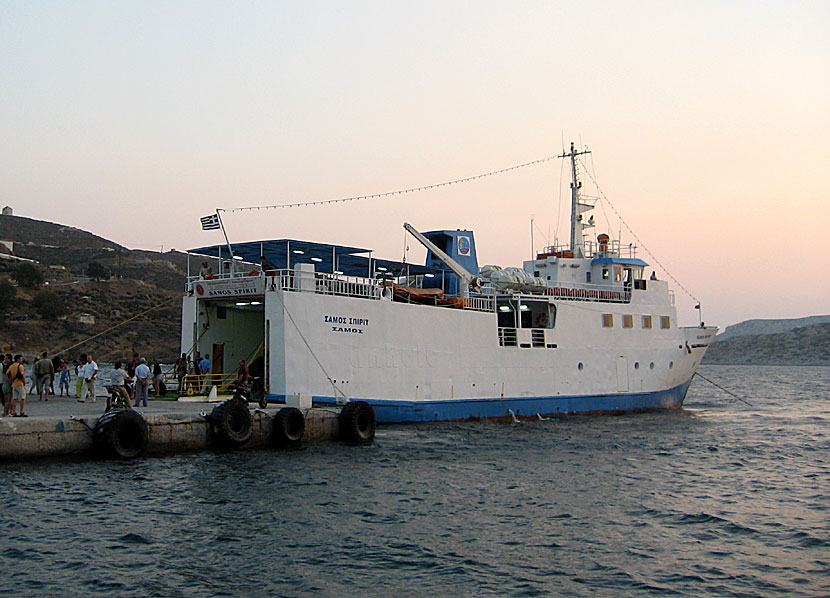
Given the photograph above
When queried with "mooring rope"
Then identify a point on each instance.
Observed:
(723, 389)
(310, 350)
(162, 304)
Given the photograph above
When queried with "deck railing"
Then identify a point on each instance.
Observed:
(329, 284)
(590, 292)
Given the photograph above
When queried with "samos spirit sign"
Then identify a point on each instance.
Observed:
(230, 288)
(346, 324)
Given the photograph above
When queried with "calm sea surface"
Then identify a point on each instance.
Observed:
(719, 499)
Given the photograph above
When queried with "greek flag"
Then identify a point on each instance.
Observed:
(210, 222)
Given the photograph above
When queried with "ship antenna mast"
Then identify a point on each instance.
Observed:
(577, 207)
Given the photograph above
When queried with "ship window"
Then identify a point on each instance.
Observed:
(588, 277)
(646, 321)
(506, 314)
(607, 320)
(221, 312)
(605, 273)
(617, 273)
(665, 322)
(537, 314)
(628, 321)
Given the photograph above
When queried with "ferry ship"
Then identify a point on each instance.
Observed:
(581, 328)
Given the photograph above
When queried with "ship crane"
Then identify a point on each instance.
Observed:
(467, 279)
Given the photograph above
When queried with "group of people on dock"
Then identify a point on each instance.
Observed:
(132, 382)
(43, 374)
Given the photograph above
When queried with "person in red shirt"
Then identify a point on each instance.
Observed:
(242, 375)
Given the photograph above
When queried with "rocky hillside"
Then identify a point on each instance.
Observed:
(143, 283)
(55, 245)
(807, 345)
(769, 326)
(96, 307)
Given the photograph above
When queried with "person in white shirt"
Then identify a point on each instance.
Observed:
(90, 373)
(142, 381)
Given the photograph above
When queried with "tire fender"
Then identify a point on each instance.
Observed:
(357, 423)
(121, 434)
(231, 422)
(288, 428)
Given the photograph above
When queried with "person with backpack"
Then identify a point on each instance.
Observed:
(17, 378)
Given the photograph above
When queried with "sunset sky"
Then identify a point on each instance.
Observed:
(709, 124)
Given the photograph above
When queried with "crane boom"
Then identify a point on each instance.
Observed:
(466, 278)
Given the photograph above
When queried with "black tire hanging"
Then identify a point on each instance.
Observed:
(357, 423)
(231, 422)
(121, 434)
(288, 428)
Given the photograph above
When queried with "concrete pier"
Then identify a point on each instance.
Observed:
(62, 426)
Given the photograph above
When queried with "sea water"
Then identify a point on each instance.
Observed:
(717, 499)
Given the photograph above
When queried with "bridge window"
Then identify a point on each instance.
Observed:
(628, 321)
(646, 321)
(665, 322)
(607, 320)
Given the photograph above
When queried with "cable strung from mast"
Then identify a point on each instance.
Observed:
(389, 193)
(630, 230)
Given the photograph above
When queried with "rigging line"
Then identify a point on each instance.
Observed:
(546, 236)
(390, 193)
(723, 389)
(630, 230)
(601, 203)
(162, 304)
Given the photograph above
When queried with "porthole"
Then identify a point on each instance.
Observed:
(651, 366)
(671, 364)
(636, 365)
(580, 366)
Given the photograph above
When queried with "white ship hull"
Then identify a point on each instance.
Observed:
(425, 363)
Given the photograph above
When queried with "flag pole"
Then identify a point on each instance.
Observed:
(230, 251)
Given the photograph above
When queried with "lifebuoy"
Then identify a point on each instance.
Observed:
(120, 434)
(231, 422)
(357, 423)
(288, 428)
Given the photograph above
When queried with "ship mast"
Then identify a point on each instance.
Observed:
(577, 207)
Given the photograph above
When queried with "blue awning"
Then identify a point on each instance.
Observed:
(625, 261)
(327, 258)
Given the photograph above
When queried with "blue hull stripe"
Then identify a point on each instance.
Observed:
(389, 411)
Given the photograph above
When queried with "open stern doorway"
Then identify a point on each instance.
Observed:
(234, 329)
